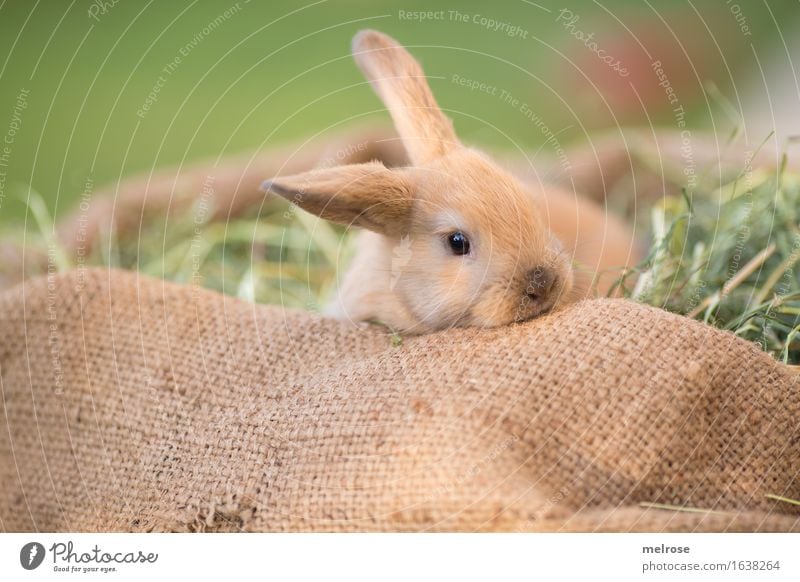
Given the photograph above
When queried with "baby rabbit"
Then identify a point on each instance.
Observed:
(452, 239)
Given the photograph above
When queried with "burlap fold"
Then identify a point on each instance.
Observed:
(131, 404)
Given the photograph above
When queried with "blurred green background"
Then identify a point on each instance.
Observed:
(76, 76)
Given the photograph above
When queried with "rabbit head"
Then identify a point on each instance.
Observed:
(455, 240)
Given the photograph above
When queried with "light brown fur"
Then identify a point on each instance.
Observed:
(404, 274)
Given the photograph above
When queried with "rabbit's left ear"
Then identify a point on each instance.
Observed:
(400, 82)
(367, 195)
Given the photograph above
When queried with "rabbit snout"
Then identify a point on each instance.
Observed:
(540, 283)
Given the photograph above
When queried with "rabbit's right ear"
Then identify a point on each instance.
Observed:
(367, 195)
(400, 82)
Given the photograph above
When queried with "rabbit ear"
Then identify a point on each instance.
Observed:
(400, 82)
(367, 195)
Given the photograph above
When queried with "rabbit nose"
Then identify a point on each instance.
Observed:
(540, 282)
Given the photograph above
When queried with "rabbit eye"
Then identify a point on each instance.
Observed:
(459, 243)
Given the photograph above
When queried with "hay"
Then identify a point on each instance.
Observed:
(729, 258)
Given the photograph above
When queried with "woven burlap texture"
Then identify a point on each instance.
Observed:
(132, 404)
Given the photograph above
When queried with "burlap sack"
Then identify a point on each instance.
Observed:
(130, 404)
